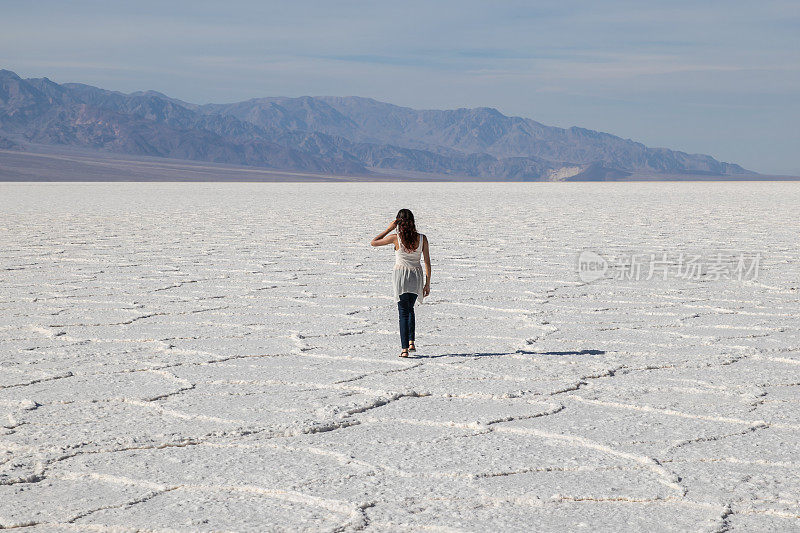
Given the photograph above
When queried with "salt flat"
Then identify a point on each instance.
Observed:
(224, 357)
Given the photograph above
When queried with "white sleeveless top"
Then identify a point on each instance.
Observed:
(407, 275)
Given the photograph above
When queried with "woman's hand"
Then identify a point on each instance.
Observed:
(382, 238)
(426, 290)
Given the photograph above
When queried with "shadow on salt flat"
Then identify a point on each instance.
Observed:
(496, 354)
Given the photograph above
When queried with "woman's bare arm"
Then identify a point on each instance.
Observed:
(383, 238)
(426, 253)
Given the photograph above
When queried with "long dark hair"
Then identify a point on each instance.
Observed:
(407, 230)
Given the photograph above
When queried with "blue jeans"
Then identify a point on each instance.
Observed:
(405, 308)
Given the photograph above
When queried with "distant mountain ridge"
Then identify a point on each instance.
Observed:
(337, 135)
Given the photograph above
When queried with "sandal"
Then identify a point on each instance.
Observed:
(405, 351)
(411, 347)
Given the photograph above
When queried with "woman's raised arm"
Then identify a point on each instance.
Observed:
(383, 238)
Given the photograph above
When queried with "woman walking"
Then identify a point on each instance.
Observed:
(410, 287)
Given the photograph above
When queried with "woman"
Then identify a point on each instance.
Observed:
(409, 285)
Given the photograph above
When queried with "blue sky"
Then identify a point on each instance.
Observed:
(716, 77)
